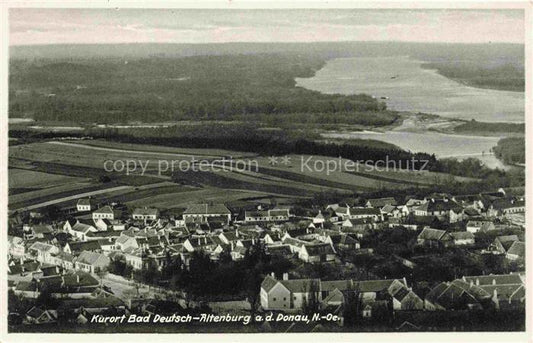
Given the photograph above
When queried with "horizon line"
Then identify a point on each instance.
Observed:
(265, 42)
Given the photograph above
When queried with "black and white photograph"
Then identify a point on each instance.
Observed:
(246, 169)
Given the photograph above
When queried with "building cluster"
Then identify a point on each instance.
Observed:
(66, 257)
(500, 292)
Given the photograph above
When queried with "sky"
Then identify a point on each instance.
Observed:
(107, 26)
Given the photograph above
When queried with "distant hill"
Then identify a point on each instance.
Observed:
(429, 52)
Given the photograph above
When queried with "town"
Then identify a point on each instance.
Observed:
(395, 263)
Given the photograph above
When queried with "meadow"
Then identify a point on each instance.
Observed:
(82, 163)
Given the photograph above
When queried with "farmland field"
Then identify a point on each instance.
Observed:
(19, 178)
(85, 162)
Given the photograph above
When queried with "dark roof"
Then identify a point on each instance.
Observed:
(85, 202)
(373, 285)
(42, 228)
(105, 209)
(380, 202)
(462, 235)
(364, 211)
(501, 204)
(431, 234)
(279, 212)
(146, 211)
(92, 258)
(439, 205)
(319, 249)
(498, 279)
(301, 285)
(507, 241)
(84, 245)
(268, 283)
(279, 249)
(518, 248)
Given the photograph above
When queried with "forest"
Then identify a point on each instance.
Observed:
(511, 150)
(475, 73)
(190, 88)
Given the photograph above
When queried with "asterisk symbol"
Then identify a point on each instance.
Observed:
(273, 160)
(286, 160)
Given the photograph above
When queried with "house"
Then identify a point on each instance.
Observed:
(502, 244)
(295, 244)
(204, 211)
(237, 252)
(293, 295)
(41, 231)
(516, 251)
(78, 229)
(37, 315)
(471, 201)
(370, 291)
(273, 215)
(475, 226)
(505, 290)
(64, 260)
(85, 205)
(463, 238)
(145, 213)
(288, 294)
(102, 224)
(358, 226)
(104, 212)
(494, 279)
(440, 208)
(319, 219)
(23, 267)
(272, 238)
(348, 212)
(381, 202)
(124, 241)
(84, 308)
(76, 248)
(362, 212)
(76, 284)
(395, 211)
(412, 203)
(279, 250)
(434, 237)
(229, 236)
(455, 295)
(341, 241)
(43, 251)
(506, 206)
(135, 257)
(91, 262)
(199, 243)
(405, 299)
(318, 252)
(16, 246)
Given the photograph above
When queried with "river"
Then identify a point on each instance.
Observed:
(408, 87)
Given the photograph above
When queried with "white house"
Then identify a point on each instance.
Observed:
(84, 205)
(104, 212)
(145, 213)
